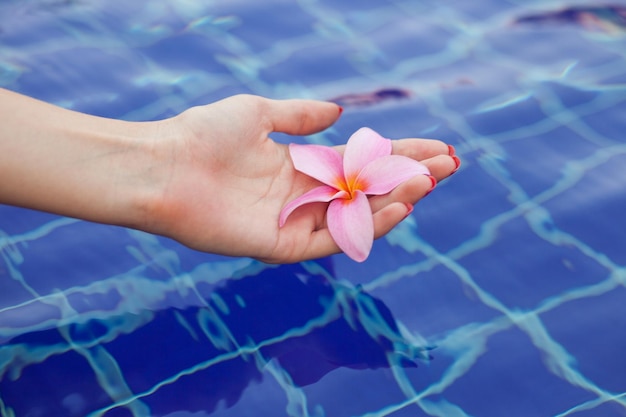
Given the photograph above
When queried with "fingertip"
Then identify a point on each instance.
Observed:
(409, 210)
(419, 149)
(433, 182)
(303, 117)
(388, 217)
(457, 163)
(442, 166)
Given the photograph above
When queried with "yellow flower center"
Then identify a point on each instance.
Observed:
(351, 185)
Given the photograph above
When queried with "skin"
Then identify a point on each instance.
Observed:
(210, 177)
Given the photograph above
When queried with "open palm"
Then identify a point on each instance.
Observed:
(225, 181)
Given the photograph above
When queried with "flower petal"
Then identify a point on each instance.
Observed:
(351, 224)
(363, 147)
(386, 173)
(323, 194)
(320, 162)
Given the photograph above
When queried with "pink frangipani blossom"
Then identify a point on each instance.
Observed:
(366, 168)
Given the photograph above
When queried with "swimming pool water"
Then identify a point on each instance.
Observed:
(503, 294)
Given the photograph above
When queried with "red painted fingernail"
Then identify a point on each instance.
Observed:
(409, 209)
(433, 182)
(451, 150)
(457, 164)
(340, 110)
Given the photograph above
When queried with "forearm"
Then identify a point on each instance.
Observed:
(72, 164)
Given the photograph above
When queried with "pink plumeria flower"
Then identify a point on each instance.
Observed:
(366, 168)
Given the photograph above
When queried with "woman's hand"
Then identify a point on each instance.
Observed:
(222, 181)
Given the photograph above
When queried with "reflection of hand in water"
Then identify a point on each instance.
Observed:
(371, 98)
(308, 324)
(598, 17)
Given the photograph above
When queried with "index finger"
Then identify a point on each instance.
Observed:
(420, 149)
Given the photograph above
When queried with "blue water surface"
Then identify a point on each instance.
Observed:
(503, 294)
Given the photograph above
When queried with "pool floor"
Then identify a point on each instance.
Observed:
(503, 294)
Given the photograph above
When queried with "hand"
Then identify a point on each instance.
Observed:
(222, 181)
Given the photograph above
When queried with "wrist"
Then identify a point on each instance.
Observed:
(144, 168)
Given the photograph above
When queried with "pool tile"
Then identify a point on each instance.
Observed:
(593, 340)
(507, 271)
(510, 378)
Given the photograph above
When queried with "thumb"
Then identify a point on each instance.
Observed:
(302, 117)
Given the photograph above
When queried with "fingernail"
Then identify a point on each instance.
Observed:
(409, 209)
(451, 150)
(340, 110)
(457, 164)
(433, 182)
